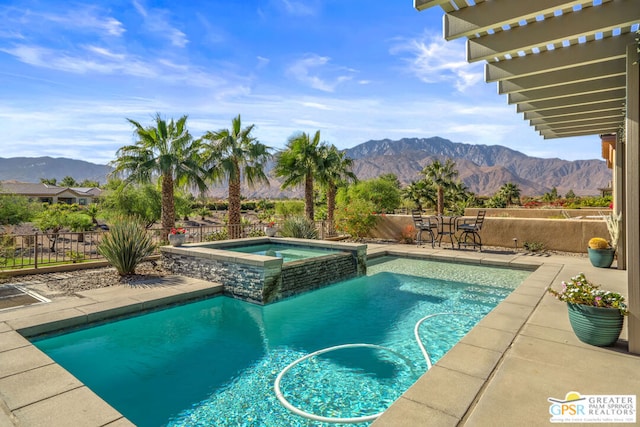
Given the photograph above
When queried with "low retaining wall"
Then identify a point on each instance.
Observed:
(565, 235)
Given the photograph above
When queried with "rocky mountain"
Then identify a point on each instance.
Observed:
(483, 169)
(31, 169)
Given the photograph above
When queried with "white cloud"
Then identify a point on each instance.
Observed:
(103, 62)
(262, 62)
(85, 18)
(157, 22)
(308, 69)
(316, 105)
(298, 8)
(105, 52)
(433, 60)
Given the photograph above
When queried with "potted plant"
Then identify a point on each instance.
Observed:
(177, 236)
(601, 253)
(270, 229)
(596, 315)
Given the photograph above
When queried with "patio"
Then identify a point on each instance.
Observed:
(502, 372)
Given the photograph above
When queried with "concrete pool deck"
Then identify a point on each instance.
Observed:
(501, 373)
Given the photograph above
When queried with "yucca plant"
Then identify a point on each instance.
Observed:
(299, 227)
(125, 245)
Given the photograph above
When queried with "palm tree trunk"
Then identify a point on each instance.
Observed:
(308, 197)
(168, 215)
(235, 231)
(440, 200)
(331, 204)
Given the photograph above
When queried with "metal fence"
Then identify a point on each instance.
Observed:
(48, 249)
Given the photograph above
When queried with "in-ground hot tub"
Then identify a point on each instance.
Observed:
(263, 269)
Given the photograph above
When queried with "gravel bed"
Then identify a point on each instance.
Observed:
(70, 282)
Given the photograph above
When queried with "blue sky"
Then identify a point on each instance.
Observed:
(72, 72)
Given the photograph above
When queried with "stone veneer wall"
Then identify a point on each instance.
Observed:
(274, 280)
(300, 276)
(241, 281)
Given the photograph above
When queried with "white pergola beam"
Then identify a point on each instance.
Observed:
(468, 21)
(572, 89)
(583, 73)
(585, 99)
(426, 4)
(585, 124)
(606, 17)
(587, 53)
(615, 113)
(616, 105)
(595, 131)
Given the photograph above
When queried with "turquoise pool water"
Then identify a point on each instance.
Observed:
(288, 253)
(214, 362)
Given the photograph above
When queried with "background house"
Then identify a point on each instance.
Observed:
(50, 193)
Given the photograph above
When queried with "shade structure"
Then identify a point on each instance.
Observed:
(571, 69)
(555, 58)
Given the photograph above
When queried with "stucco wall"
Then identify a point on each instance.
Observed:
(539, 213)
(556, 234)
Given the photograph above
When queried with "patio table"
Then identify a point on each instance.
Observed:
(447, 226)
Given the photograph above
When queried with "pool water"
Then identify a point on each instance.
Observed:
(214, 362)
(288, 253)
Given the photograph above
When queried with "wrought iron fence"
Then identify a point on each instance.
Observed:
(47, 249)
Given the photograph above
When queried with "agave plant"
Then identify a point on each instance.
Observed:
(125, 245)
(300, 227)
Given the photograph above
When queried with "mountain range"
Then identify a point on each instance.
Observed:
(482, 168)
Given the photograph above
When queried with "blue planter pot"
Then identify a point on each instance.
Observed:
(602, 258)
(597, 326)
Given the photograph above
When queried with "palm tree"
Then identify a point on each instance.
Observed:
(458, 197)
(298, 163)
(510, 191)
(165, 151)
(420, 193)
(442, 177)
(233, 155)
(334, 168)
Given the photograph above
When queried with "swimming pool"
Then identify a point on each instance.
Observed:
(214, 362)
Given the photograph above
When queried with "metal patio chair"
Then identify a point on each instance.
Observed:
(470, 231)
(423, 224)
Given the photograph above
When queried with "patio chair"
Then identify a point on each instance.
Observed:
(470, 231)
(422, 225)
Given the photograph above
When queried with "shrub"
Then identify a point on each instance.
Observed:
(356, 218)
(256, 232)
(598, 243)
(300, 227)
(289, 208)
(533, 246)
(77, 221)
(126, 244)
(248, 205)
(75, 256)
(222, 234)
(408, 234)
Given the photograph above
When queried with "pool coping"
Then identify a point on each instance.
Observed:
(55, 396)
